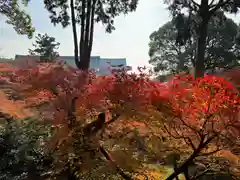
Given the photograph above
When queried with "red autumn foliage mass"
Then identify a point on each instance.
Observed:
(205, 115)
(203, 112)
(193, 100)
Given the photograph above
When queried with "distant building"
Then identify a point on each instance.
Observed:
(102, 66)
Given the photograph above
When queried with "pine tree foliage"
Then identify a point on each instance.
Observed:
(46, 47)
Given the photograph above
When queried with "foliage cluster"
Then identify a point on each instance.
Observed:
(222, 50)
(199, 14)
(17, 17)
(99, 122)
(45, 47)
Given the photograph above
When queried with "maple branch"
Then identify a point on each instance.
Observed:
(210, 153)
(202, 173)
(169, 132)
(186, 139)
(110, 159)
(71, 113)
(205, 143)
(189, 142)
(121, 136)
(188, 126)
(113, 119)
(208, 116)
(108, 123)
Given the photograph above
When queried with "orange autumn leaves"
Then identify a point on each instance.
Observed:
(188, 99)
(13, 108)
(209, 104)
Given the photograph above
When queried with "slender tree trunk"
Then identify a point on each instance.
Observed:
(91, 29)
(87, 35)
(180, 65)
(75, 40)
(201, 47)
(86, 60)
(82, 33)
(201, 41)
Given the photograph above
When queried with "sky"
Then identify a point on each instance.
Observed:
(129, 40)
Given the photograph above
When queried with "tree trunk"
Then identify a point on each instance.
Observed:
(75, 40)
(201, 40)
(91, 29)
(201, 46)
(84, 58)
(82, 33)
(182, 168)
(87, 35)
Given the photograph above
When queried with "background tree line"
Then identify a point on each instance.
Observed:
(191, 25)
(222, 47)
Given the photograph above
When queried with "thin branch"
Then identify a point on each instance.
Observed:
(110, 159)
(186, 139)
(211, 3)
(208, 117)
(210, 153)
(202, 173)
(209, 140)
(195, 3)
(113, 119)
(220, 4)
(190, 143)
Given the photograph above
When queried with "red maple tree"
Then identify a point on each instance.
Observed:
(203, 113)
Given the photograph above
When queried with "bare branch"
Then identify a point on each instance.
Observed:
(195, 3)
(210, 153)
(113, 119)
(211, 3)
(205, 143)
(220, 4)
(202, 173)
(110, 159)
(189, 142)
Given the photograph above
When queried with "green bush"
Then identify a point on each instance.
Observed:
(21, 149)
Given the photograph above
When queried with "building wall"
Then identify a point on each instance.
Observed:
(102, 66)
(106, 64)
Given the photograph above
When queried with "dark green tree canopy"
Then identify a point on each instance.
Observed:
(104, 10)
(199, 13)
(17, 17)
(221, 48)
(46, 47)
